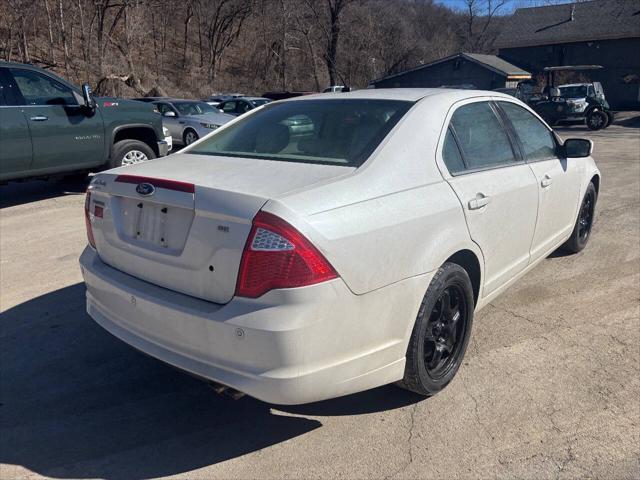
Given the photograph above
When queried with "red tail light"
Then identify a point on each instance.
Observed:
(87, 219)
(276, 255)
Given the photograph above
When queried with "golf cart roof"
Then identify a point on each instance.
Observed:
(572, 67)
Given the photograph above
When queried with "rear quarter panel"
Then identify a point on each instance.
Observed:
(395, 217)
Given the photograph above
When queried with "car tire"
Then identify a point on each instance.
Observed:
(189, 136)
(582, 229)
(129, 152)
(441, 333)
(596, 120)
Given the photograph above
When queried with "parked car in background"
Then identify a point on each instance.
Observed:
(215, 100)
(49, 127)
(189, 120)
(281, 95)
(240, 105)
(148, 99)
(335, 88)
(300, 268)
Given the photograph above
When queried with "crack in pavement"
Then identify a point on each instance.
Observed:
(409, 443)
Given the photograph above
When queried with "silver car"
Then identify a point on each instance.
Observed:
(189, 120)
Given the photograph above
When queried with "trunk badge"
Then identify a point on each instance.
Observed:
(145, 189)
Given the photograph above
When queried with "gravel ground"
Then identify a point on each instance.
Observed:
(550, 386)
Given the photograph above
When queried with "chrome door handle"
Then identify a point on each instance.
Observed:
(39, 118)
(479, 202)
(546, 181)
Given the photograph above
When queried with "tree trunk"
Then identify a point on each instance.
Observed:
(52, 55)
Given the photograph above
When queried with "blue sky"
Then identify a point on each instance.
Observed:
(506, 9)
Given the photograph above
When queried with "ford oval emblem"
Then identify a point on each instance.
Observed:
(145, 189)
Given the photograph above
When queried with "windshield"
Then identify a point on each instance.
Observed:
(578, 91)
(333, 132)
(194, 108)
(259, 102)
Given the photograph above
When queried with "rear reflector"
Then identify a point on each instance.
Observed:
(276, 255)
(158, 183)
(87, 219)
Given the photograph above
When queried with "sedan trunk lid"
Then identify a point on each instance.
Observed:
(182, 222)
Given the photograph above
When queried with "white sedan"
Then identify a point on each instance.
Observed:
(298, 265)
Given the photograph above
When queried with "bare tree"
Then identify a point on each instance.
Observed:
(480, 17)
(222, 22)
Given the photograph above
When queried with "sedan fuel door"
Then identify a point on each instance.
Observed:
(497, 191)
(558, 180)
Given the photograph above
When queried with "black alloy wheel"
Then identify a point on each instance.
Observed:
(445, 331)
(441, 332)
(584, 223)
(585, 219)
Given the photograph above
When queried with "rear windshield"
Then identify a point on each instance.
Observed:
(332, 132)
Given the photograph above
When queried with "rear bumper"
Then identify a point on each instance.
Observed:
(287, 347)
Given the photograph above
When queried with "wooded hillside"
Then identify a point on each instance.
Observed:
(196, 47)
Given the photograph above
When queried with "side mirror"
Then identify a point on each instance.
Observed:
(169, 113)
(577, 147)
(89, 102)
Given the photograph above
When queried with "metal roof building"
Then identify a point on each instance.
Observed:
(471, 70)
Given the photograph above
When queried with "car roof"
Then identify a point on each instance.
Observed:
(402, 94)
(575, 85)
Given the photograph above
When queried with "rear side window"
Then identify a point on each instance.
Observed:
(481, 137)
(39, 89)
(333, 132)
(451, 154)
(536, 140)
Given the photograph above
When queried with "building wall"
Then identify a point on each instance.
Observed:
(456, 71)
(620, 59)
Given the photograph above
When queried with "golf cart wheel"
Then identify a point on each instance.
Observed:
(597, 120)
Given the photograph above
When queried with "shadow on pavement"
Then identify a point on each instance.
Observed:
(19, 193)
(78, 403)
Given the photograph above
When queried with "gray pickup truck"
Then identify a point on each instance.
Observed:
(49, 127)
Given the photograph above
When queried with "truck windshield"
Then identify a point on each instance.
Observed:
(334, 132)
(577, 91)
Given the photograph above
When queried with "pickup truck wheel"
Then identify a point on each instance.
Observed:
(130, 152)
(582, 229)
(441, 332)
(189, 136)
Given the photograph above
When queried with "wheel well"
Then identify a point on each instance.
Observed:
(468, 260)
(596, 183)
(146, 135)
(184, 132)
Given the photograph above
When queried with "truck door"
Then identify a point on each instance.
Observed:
(15, 141)
(64, 136)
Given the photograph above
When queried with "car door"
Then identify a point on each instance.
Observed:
(15, 141)
(558, 179)
(64, 136)
(172, 123)
(496, 189)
